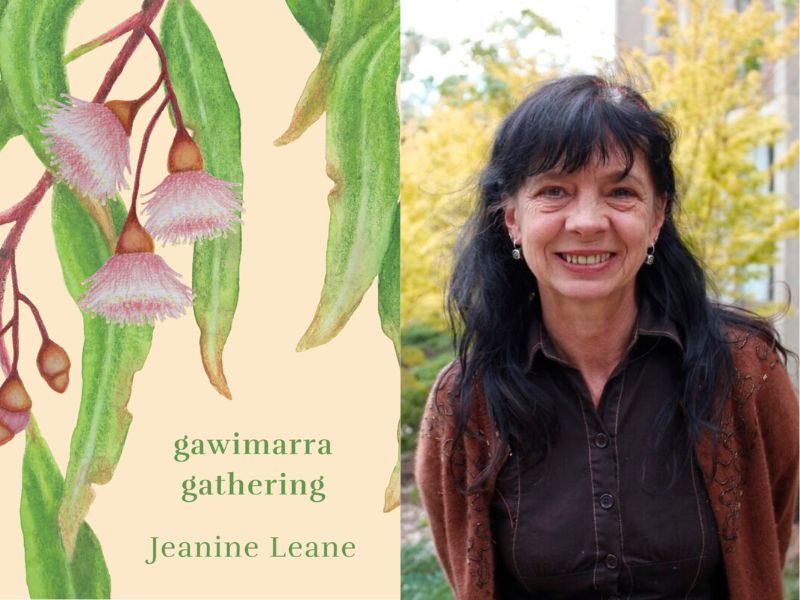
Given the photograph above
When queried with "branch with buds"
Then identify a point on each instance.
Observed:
(88, 143)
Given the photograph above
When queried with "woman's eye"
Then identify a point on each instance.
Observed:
(552, 192)
(622, 193)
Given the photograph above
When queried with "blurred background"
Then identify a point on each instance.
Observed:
(726, 71)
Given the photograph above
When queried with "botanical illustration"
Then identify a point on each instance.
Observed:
(354, 85)
(106, 240)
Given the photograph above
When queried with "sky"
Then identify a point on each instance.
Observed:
(587, 28)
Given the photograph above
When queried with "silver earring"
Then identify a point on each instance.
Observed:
(649, 257)
(515, 253)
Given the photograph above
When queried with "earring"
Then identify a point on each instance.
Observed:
(649, 257)
(516, 254)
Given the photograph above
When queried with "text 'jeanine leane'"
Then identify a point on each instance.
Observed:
(228, 484)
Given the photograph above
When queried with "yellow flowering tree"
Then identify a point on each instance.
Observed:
(443, 152)
(712, 74)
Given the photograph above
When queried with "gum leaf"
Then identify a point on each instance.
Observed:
(363, 162)
(314, 16)
(48, 572)
(350, 20)
(9, 127)
(391, 497)
(112, 354)
(389, 286)
(211, 110)
(32, 38)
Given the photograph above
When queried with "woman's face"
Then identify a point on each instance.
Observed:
(584, 235)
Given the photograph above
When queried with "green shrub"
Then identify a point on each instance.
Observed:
(426, 351)
(421, 575)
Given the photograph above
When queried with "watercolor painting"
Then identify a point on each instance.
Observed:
(108, 229)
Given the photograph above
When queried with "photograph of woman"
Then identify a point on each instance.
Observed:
(606, 429)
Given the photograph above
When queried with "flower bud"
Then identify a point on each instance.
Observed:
(13, 396)
(53, 364)
(125, 111)
(134, 237)
(184, 154)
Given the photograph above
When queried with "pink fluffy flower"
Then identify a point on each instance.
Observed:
(135, 287)
(89, 146)
(190, 206)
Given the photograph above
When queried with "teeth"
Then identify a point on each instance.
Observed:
(586, 260)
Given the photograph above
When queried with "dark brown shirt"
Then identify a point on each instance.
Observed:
(615, 509)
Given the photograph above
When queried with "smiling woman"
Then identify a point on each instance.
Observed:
(606, 428)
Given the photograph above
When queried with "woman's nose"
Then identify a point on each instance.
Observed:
(587, 215)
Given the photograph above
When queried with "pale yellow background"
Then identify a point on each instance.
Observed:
(346, 391)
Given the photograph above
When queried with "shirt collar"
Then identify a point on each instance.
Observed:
(649, 324)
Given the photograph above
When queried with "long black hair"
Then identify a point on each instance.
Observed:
(565, 125)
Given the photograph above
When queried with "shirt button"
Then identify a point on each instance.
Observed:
(606, 501)
(611, 561)
(601, 440)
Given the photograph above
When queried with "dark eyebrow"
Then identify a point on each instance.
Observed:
(620, 175)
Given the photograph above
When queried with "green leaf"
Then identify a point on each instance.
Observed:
(391, 496)
(48, 571)
(363, 131)
(9, 127)
(211, 111)
(389, 286)
(314, 17)
(350, 21)
(32, 36)
(112, 354)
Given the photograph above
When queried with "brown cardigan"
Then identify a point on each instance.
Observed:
(751, 482)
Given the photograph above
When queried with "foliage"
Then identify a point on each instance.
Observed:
(354, 84)
(711, 75)
(422, 577)
(791, 584)
(425, 352)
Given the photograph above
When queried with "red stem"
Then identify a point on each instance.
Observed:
(36, 315)
(149, 13)
(109, 36)
(162, 56)
(149, 93)
(142, 151)
(15, 319)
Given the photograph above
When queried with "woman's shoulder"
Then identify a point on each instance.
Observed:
(442, 410)
(440, 406)
(754, 351)
(761, 380)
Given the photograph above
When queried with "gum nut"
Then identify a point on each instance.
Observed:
(59, 383)
(6, 435)
(52, 360)
(13, 395)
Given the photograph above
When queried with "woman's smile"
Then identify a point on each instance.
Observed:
(581, 260)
